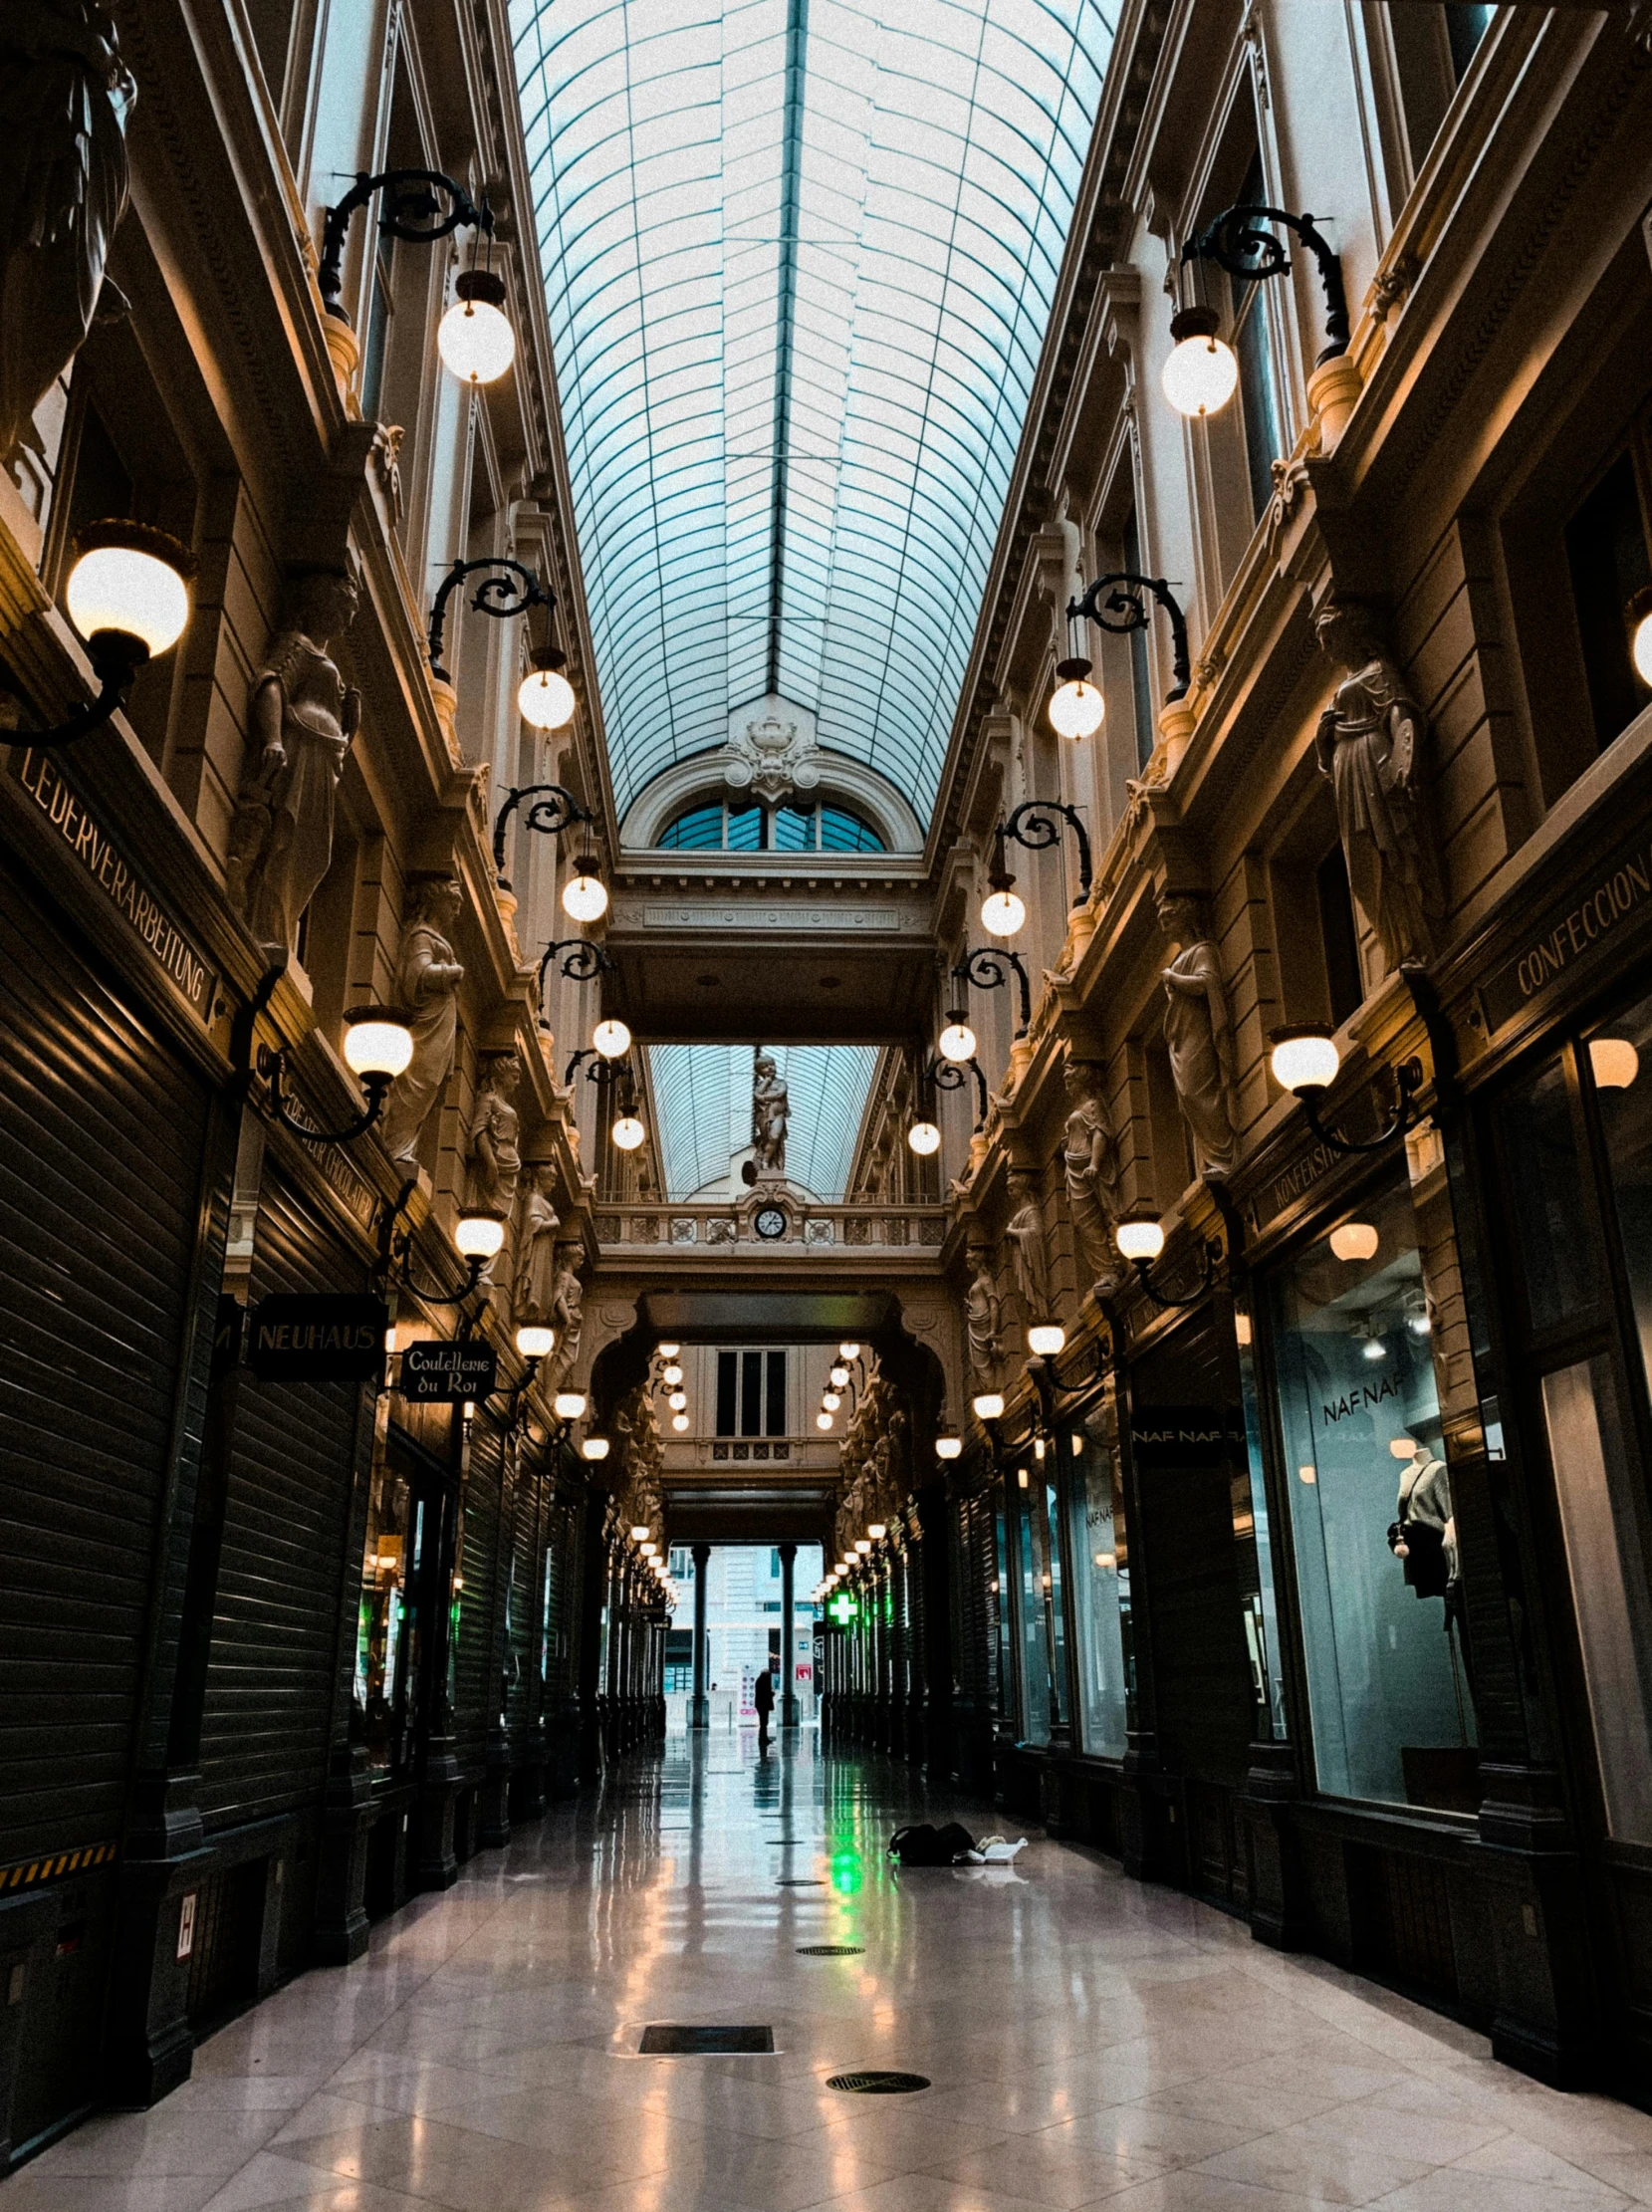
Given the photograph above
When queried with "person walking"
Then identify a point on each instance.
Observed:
(763, 1697)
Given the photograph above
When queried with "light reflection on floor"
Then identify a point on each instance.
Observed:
(1088, 2040)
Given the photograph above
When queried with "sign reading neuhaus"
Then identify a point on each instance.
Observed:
(118, 880)
(1186, 1436)
(448, 1374)
(318, 1340)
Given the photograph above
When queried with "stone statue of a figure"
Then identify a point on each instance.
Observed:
(64, 96)
(983, 1315)
(1090, 1164)
(567, 1302)
(536, 1266)
(771, 1110)
(495, 1161)
(428, 980)
(1370, 743)
(1199, 1036)
(1029, 1257)
(303, 718)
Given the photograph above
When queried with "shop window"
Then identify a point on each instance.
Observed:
(751, 1394)
(1339, 937)
(1100, 1591)
(388, 1627)
(1431, 46)
(1371, 1519)
(1252, 335)
(1254, 1555)
(1608, 562)
(1038, 1700)
(1315, 936)
(1545, 1187)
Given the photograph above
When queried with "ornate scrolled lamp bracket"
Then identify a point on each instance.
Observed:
(1117, 603)
(508, 588)
(583, 961)
(989, 968)
(1201, 373)
(1306, 1062)
(420, 205)
(1035, 825)
(378, 1045)
(1140, 1240)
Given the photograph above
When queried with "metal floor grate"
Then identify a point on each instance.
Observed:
(671, 2040)
(831, 1951)
(878, 2083)
(800, 1881)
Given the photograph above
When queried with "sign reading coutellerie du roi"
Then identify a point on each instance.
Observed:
(448, 1374)
(139, 907)
(326, 1338)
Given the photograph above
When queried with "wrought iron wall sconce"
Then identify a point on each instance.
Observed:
(1306, 1062)
(1140, 1240)
(1045, 1373)
(1202, 374)
(1078, 707)
(584, 961)
(424, 206)
(988, 967)
(480, 1236)
(378, 1044)
(954, 1074)
(127, 595)
(553, 810)
(1037, 826)
(508, 588)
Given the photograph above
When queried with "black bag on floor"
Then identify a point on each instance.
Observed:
(924, 1845)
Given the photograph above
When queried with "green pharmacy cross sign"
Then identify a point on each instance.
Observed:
(844, 1607)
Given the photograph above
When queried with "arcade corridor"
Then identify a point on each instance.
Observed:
(1087, 2039)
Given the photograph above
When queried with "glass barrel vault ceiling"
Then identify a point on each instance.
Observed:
(703, 1099)
(800, 257)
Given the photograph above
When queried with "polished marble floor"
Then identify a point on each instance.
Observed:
(1089, 2040)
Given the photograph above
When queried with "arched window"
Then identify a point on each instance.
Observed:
(747, 825)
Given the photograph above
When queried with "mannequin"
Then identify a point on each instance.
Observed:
(1425, 1533)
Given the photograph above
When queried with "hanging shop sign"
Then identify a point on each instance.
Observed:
(325, 1339)
(1576, 934)
(448, 1374)
(1186, 1436)
(82, 830)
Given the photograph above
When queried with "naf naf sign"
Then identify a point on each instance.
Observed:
(1186, 1436)
(324, 1338)
(448, 1374)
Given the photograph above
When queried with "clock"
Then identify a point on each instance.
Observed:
(770, 1222)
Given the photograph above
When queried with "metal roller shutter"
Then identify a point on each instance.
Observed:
(525, 1580)
(274, 1631)
(101, 1139)
(476, 1697)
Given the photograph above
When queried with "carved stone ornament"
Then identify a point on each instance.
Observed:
(65, 95)
(983, 1315)
(770, 749)
(303, 716)
(1023, 1233)
(567, 1315)
(495, 1161)
(1199, 1034)
(428, 980)
(1089, 1167)
(536, 1268)
(1370, 742)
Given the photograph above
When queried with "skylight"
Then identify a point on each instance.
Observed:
(703, 1098)
(798, 257)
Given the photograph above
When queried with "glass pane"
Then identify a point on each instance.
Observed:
(842, 832)
(1254, 343)
(793, 829)
(700, 830)
(1372, 1516)
(1619, 1060)
(1030, 1618)
(746, 829)
(1003, 1603)
(383, 1642)
(1607, 552)
(1253, 1547)
(1055, 1602)
(1605, 1557)
(1096, 1528)
(1545, 1192)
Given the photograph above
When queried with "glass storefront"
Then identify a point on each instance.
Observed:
(388, 1624)
(1101, 1585)
(1371, 1521)
(1254, 1542)
(1032, 1606)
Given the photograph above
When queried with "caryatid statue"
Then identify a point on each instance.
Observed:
(64, 96)
(567, 1315)
(428, 980)
(1370, 743)
(303, 718)
(983, 1315)
(495, 1161)
(535, 1265)
(771, 1111)
(1030, 1256)
(1199, 1034)
(1089, 1165)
